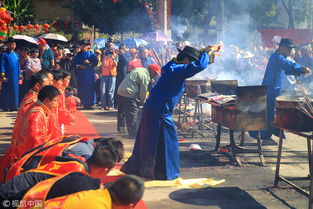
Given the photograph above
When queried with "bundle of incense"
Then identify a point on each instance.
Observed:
(306, 106)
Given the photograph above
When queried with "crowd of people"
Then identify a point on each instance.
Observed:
(38, 132)
(41, 84)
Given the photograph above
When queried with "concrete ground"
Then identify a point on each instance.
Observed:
(249, 186)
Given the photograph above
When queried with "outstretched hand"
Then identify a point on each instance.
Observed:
(307, 71)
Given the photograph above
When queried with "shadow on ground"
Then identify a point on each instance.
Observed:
(223, 198)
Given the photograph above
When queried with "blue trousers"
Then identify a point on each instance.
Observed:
(107, 87)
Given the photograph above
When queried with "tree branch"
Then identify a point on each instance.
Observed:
(285, 6)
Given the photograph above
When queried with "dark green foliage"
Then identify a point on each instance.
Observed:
(125, 15)
(21, 10)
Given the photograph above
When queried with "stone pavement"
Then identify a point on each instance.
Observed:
(249, 186)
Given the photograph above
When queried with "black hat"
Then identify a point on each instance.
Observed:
(25, 49)
(192, 52)
(11, 39)
(84, 42)
(286, 42)
(34, 50)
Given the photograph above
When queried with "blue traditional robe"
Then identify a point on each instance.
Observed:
(277, 66)
(156, 153)
(86, 77)
(9, 64)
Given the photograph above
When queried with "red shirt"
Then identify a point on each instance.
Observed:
(132, 64)
(33, 130)
(29, 99)
(71, 104)
(63, 112)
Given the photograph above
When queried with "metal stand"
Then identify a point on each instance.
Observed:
(234, 149)
(278, 177)
(198, 115)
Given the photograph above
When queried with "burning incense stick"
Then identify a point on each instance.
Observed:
(306, 106)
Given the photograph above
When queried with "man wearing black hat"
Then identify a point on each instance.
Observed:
(84, 63)
(10, 73)
(277, 66)
(156, 153)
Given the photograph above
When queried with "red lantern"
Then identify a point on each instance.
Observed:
(9, 28)
(114, 1)
(1, 22)
(15, 27)
(30, 27)
(3, 27)
(46, 27)
(37, 27)
(22, 28)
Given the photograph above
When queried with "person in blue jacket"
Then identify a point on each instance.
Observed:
(156, 153)
(10, 74)
(277, 67)
(84, 63)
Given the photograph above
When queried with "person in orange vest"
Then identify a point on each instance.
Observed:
(108, 78)
(38, 81)
(125, 193)
(75, 156)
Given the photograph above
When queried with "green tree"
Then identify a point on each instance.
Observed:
(264, 13)
(192, 14)
(20, 10)
(123, 16)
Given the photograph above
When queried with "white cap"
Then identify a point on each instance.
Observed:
(276, 39)
(194, 147)
(66, 51)
(187, 43)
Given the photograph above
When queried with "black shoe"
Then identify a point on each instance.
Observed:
(269, 141)
(88, 108)
(122, 130)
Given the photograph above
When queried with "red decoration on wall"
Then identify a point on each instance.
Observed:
(22, 28)
(46, 27)
(3, 27)
(30, 27)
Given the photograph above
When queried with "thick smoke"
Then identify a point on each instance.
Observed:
(239, 38)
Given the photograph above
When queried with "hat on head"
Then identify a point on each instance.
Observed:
(84, 42)
(98, 51)
(156, 68)
(133, 51)
(34, 50)
(42, 41)
(66, 51)
(11, 39)
(190, 51)
(26, 49)
(286, 42)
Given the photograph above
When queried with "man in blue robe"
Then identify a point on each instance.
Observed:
(277, 66)
(156, 153)
(84, 63)
(10, 74)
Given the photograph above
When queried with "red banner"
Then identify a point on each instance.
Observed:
(299, 36)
